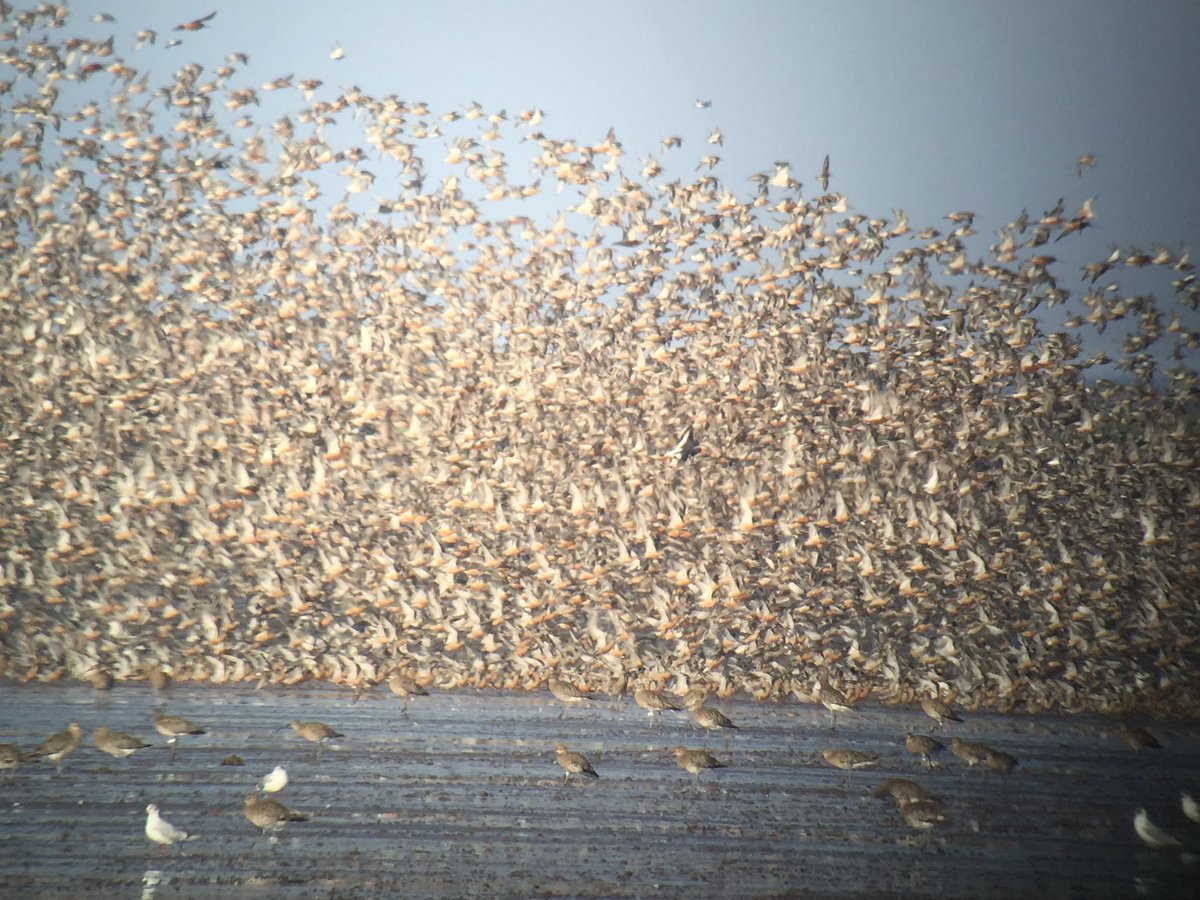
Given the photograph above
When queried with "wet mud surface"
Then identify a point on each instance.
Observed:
(461, 796)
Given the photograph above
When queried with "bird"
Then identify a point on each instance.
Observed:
(269, 815)
(1001, 762)
(116, 743)
(59, 745)
(157, 678)
(845, 758)
(902, 791)
(1137, 738)
(938, 710)
(921, 814)
(703, 104)
(317, 732)
(1151, 834)
(195, 24)
(173, 727)
(924, 746)
(685, 448)
(162, 832)
(573, 763)
(823, 175)
(970, 752)
(832, 699)
(101, 679)
(1191, 808)
(565, 691)
(695, 761)
(1087, 161)
(710, 718)
(405, 688)
(274, 781)
(10, 758)
(653, 702)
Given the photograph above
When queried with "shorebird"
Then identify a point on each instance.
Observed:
(1001, 762)
(1151, 834)
(970, 752)
(274, 781)
(710, 718)
(160, 831)
(101, 679)
(938, 710)
(653, 702)
(157, 678)
(11, 757)
(922, 814)
(573, 763)
(317, 732)
(832, 699)
(173, 727)
(195, 24)
(404, 688)
(1191, 809)
(565, 691)
(59, 745)
(685, 448)
(695, 761)
(116, 743)
(924, 746)
(845, 758)
(902, 790)
(823, 175)
(1138, 738)
(269, 815)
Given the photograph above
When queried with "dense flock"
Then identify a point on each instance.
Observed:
(372, 387)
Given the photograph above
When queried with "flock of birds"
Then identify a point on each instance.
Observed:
(297, 400)
(918, 807)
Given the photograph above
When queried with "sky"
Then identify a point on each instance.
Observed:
(929, 107)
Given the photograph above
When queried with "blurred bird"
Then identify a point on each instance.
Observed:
(195, 24)
(162, 832)
(274, 781)
(1151, 834)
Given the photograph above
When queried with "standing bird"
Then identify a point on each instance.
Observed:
(845, 758)
(162, 832)
(173, 727)
(11, 757)
(573, 763)
(695, 761)
(1151, 834)
(274, 781)
(938, 710)
(59, 745)
(1138, 738)
(924, 746)
(970, 752)
(317, 732)
(833, 700)
(269, 815)
(117, 744)
(653, 702)
(565, 691)
(404, 687)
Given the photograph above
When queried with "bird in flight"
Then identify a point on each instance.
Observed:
(823, 177)
(195, 24)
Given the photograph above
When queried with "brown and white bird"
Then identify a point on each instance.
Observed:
(924, 746)
(59, 745)
(573, 763)
(970, 752)
(696, 761)
(832, 699)
(1137, 738)
(269, 815)
(565, 691)
(173, 727)
(10, 758)
(845, 758)
(117, 744)
(938, 710)
(315, 732)
(653, 702)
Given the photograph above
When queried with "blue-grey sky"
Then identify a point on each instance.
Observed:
(929, 107)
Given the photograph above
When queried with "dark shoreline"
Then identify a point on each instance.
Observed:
(461, 796)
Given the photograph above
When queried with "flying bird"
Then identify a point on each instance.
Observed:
(195, 24)
(823, 175)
